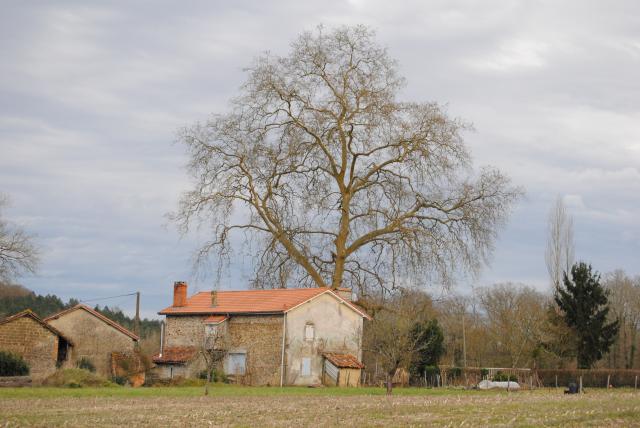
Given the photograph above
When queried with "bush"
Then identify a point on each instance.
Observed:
(75, 378)
(120, 380)
(216, 376)
(484, 373)
(86, 364)
(502, 377)
(12, 365)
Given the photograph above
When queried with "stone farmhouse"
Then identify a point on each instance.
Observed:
(267, 337)
(43, 347)
(95, 336)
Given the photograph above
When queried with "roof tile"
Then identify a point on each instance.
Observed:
(343, 361)
(250, 301)
(176, 354)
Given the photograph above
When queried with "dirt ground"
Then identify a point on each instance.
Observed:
(538, 408)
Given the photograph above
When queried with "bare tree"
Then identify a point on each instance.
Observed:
(515, 320)
(559, 255)
(624, 300)
(214, 349)
(18, 254)
(390, 339)
(331, 180)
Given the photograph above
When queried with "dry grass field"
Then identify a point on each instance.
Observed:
(237, 406)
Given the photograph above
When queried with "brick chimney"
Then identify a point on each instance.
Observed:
(345, 293)
(179, 293)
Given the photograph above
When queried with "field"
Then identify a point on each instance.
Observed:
(245, 406)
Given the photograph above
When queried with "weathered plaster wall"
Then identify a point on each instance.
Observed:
(37, 345)
(337, 327)
(93, 339)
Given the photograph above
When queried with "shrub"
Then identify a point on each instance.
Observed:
(484, 373)
(75, 378)
(502, 377)
(12, 365)
(86, 364)
(120, 380)
(216, 376)
(455, 372)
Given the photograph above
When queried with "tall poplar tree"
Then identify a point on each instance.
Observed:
(585, 305)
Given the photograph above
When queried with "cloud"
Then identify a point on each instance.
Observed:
(91, 97)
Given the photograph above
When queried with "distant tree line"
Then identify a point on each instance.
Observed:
(15, 298)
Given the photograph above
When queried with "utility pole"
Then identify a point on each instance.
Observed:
(136, 325)
(464, 342)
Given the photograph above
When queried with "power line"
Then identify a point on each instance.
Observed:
(106, 298)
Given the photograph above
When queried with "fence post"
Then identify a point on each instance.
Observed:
(580, 390)
(531, 382)
(636, 384)
(556, 381)
(608, 379)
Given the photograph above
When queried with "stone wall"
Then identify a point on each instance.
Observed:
(93, 339)
(36, 344)
(260, 336)
(184, 330)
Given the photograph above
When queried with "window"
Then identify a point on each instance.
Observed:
(236, 363)
(305, 369)
(309, 332)
(210, 330)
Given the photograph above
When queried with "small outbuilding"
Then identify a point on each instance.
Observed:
(341, 370)
(42, 346)
(95, 336)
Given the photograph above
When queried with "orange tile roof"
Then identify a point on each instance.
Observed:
(176, 355)
(278, 300)
(95, 314)
(248, 301)
(216, 319)
(343, 361)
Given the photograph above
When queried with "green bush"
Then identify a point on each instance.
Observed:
(216, 376)
(12, 365)
(484, 373)
(86, 364)
(120, 380)
(502, 377)
(455, 372)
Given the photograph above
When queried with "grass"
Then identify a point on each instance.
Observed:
(254, 406)
(220, 390)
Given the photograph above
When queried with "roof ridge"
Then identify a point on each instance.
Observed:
(98, 315)
(28, 312)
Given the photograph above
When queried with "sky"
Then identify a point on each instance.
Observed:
(92, 95)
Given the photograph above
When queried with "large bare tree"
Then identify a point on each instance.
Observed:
(559, 255)
(18, 253)
(331, 180)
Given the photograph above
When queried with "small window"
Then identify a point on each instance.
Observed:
(309, 332)
(236, 363)
(210, 330)
(305, 370)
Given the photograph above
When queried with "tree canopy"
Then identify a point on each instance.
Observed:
(331, 180)
(585, 307)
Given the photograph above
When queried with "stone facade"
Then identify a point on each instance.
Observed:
(259, 337)
(38, 345)
(187, 330)
(93, 338)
